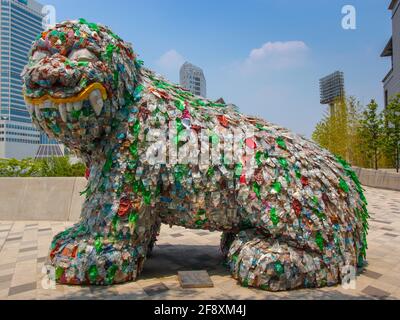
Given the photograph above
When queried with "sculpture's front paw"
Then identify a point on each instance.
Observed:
(81, 258)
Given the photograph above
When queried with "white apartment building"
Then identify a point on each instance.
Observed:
(391, 82)
(192, 78)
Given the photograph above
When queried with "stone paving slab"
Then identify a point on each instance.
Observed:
(24, 247)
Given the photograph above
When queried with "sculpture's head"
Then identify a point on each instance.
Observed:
(79, 76)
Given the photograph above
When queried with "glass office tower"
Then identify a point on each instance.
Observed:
(20, 22)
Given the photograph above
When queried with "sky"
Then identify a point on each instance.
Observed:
(265, 56)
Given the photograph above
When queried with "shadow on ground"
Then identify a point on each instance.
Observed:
(167, 260)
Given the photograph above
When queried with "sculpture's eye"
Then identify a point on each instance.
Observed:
(82, 55)
(39, 55)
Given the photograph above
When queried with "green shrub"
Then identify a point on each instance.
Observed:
(50, 167)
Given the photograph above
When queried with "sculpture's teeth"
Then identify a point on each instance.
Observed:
(30, 109)
(47, 105)
(78, 105)
(70, 106)
(63, 112)
(38, 112)
(96, 101)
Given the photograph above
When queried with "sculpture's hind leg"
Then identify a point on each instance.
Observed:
(155, 232)
(227, 239)
(257, 261)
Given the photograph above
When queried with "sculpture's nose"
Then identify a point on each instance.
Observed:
(52, 73)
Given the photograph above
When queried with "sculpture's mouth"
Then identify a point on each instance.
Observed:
(95, 95)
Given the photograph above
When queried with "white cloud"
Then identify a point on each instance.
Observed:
(277, 55)
(283, 48)
(268, 82)
(170, 61)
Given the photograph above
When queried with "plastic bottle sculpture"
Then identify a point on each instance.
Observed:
(292, 214)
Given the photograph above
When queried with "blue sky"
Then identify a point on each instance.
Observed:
(266, 56)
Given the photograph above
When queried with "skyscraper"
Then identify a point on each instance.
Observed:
(192, 78)
(21, 22)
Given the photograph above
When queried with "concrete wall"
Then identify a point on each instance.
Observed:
(379, 179)
(55, 199)
(58, 199)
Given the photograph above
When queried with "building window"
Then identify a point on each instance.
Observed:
(386, 98)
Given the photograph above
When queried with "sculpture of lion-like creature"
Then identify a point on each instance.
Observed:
(292, 215)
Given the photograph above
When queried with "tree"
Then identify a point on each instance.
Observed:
(330, 132)
(338, 130)
(370, 132)
(392, 130)
(355, 154)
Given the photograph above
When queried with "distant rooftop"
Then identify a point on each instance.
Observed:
(392, 4)
(388, 51)
(187, 65)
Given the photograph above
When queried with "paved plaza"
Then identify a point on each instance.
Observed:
(24, 247)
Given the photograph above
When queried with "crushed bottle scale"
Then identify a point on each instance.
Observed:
(292, 214)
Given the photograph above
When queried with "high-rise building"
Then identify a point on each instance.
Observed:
(21, 22)
(192, 78)
(332, 87)
(391, 82)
